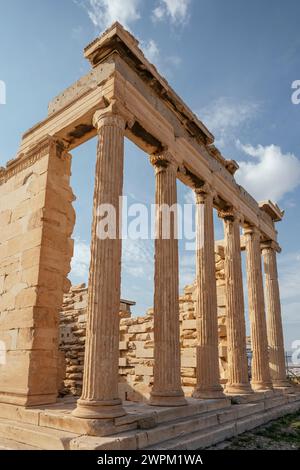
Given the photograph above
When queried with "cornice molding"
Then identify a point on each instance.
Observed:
(26, 160)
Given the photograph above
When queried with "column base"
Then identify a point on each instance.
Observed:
(281, 384)
(238, 389)
(27, 400)
(167, 399)
(215, 392)
(99, 409)
(261, 386)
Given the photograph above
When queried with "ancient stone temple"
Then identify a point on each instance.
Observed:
(136, 345)
(123, 95)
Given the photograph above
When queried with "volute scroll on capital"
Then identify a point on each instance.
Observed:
(203, 192)
(108, 118)
(270, 245)
(163, 160)
(231, 213)
(251, 230)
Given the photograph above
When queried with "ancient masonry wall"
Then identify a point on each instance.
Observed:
(36, 222)
(136, 341)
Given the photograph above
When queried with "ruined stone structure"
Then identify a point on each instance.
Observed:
(124, 95)
(136, 345)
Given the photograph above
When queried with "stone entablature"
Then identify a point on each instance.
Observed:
(112, 80)
(125, 96)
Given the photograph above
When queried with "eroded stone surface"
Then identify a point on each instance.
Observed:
(125, 95)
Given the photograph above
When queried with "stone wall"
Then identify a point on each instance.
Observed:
(136, 341)
(36, 222)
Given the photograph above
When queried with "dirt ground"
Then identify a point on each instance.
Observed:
(282, 434)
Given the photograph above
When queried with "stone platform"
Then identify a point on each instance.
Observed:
(199, 424)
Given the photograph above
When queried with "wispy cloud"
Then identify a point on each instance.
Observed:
(151, 50)
(105, 12)
(271, 174)
(189, 196)
(225, 116)
(81, 260)
(138, 258)
(176, 11)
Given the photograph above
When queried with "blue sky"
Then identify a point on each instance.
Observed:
(233, 63)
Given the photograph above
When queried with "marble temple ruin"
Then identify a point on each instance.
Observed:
(191, 388)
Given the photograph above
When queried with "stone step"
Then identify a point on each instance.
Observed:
(8, 444)
(173, 429)
(204, 406)
(182, 431)
(161, 415)
(180, 425)
(198, 439)
(215, 434)
(37, 436)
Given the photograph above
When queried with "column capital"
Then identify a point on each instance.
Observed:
(251, 230)
(202, 192)
(231, 213)
(108, 118)
(163, 160)
(270, 245)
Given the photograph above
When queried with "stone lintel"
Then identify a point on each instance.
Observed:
(116, 38)
(232, 166)
(128, 77)
(272, 209)
(270, 244)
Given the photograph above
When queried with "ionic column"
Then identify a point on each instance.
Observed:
(166, 389)
(274, 323)
(99, 397)
(238, 379)
(207, 349)
(260, 358)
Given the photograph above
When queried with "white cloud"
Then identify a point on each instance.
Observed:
(81, 260)
(174, 60)
(177, 11)
(225, 116)
(151, 50)
(105, 12)
(189, 196)
(271, 175)
(138, 258)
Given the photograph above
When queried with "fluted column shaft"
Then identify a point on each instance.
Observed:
(274, 322)
(166, 389)
(260, 359)
(99, 397)
(207, 349)
(238, 378)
